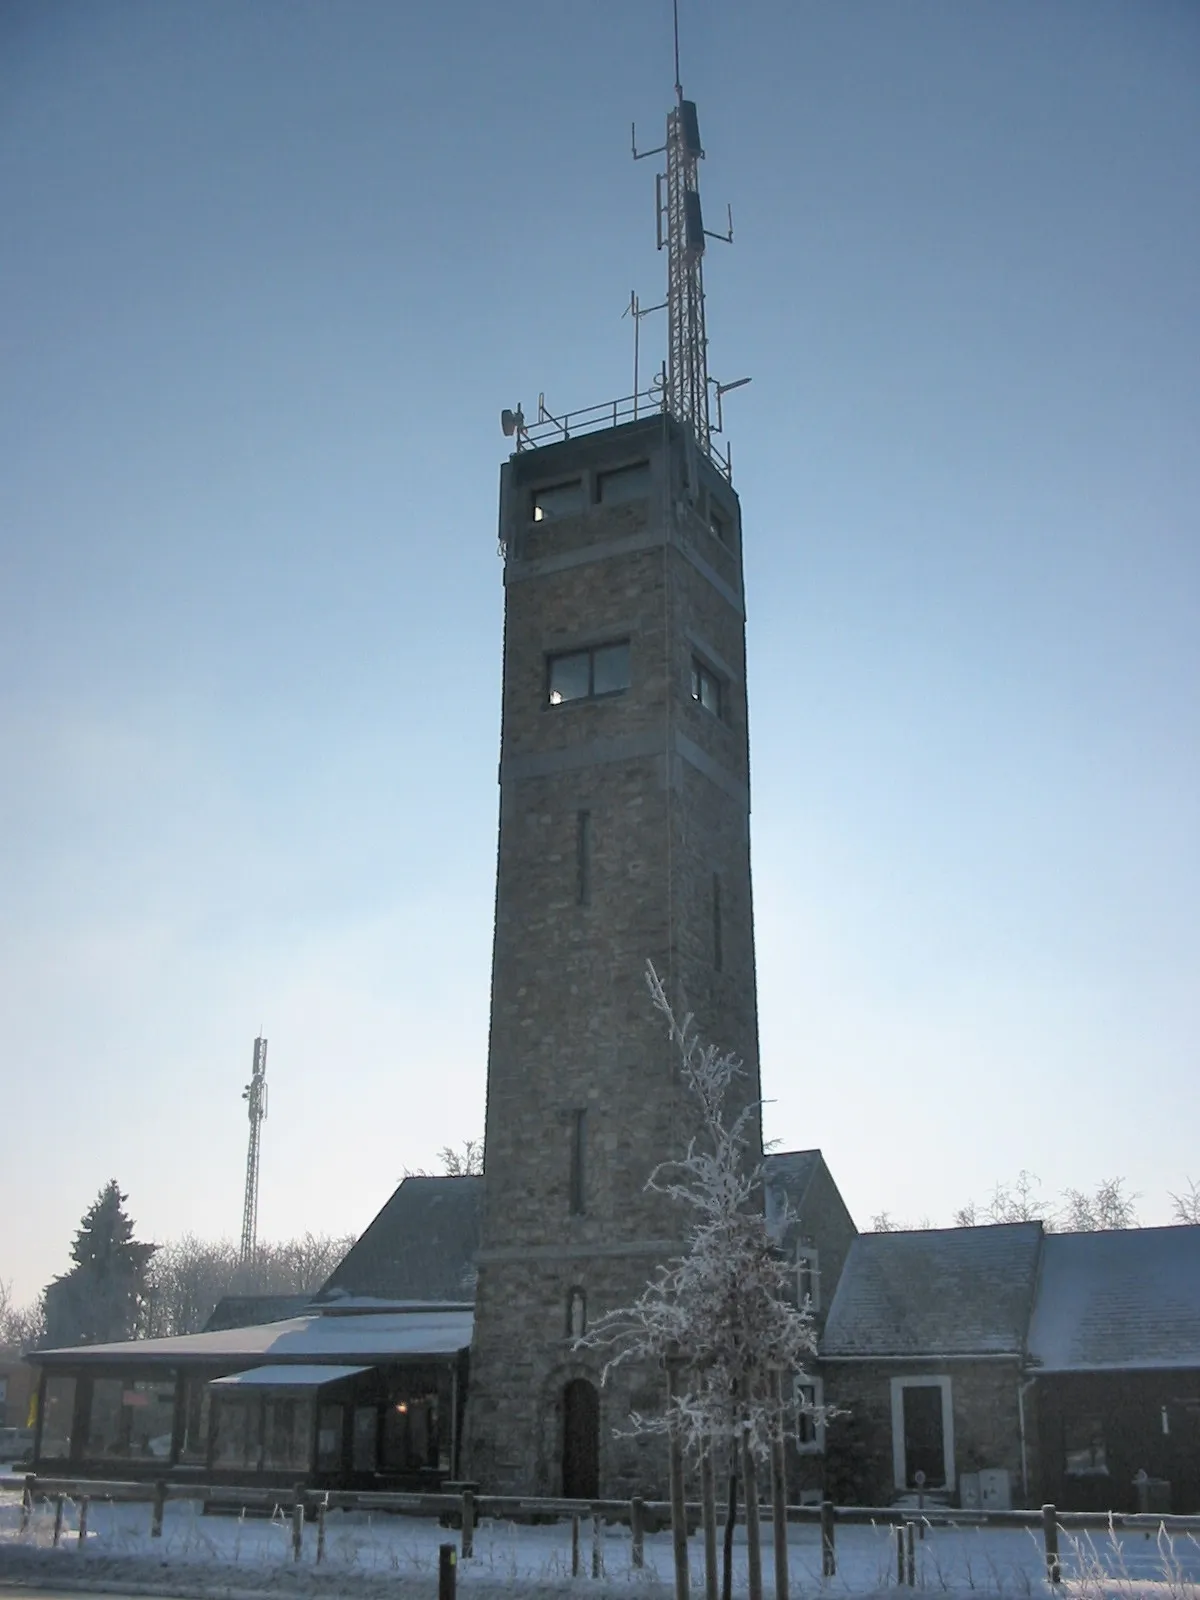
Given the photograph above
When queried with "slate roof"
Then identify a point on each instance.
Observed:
(373, 1338)
(242, 1310)
(786, 1177)
(936, 1292)
(421, 1246)
(1124, 1300)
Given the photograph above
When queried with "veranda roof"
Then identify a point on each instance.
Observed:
(372, 1339)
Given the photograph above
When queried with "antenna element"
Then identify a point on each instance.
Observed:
(255, 1094)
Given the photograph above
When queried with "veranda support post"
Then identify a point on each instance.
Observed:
(468, 1524)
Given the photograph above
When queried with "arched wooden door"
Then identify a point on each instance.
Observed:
(581, 1441)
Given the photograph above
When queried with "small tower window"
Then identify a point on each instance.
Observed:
(588, 674)
(558, 500)
(577, 1196)
(707, 688)
(625, 483)
(720, 524)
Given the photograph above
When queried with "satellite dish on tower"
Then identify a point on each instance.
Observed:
(511, 421)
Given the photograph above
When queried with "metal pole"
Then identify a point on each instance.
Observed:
(447, 1571)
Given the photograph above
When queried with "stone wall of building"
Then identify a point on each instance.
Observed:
(859, 1442)
(584, 1093)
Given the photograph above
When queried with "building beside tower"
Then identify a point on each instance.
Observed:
(624, 836)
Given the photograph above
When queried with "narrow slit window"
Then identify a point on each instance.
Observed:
(578, 1162)
(583, 858)
(718, 939)
(720, 524)
(707, 688)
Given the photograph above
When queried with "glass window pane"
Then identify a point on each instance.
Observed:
(287, 1433)
(559, 500)
(366, 1436)
(329, 1438)
(197, 1407)
(57, 1418)
(238, 1429)
(627, 483)
(610, 670)
(569, 677)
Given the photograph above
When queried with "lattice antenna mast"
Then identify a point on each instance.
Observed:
(255, 1095)
(681, 232)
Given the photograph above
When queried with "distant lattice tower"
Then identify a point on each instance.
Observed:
(255, 1096)
(624, 834)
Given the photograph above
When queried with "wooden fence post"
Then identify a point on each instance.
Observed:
(447, 1571)
(27, 1502)
(58, 1516)
(298, 1523)
(1050, 1534)
(899, 1555)
(828, 1552)
(637, 1529)
(597, 1547)
(910, 1555)
(468, 1524)
(156, 1516)
(575, 1547)
(321, 1510)
(83, 1518)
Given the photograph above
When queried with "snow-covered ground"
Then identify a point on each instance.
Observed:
(366, 1554)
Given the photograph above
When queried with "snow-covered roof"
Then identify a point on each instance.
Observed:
(295, 1376)
(938, 1291)
(382, 1337)
(421, 1246)
(1120, 1300)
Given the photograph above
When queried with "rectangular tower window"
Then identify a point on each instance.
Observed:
(578, 1155)
(583, 858)
(718, 950)
(588, 674)
(558, 500)
(625, 483)
(707, 687)
(719, 524)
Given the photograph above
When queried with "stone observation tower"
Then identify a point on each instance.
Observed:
(624, 835)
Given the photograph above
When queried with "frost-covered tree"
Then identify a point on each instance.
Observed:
(103, 1295)
(464, 1161)
(718, 1318)
(1108, 1205)
(21, 1327)
(1186, 1206)
(188, 1276)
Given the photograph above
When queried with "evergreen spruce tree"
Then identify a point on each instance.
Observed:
(101, 1298)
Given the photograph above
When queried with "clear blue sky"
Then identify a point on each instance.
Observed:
(270, 272)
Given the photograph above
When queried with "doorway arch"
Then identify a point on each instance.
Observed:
(581, 1440)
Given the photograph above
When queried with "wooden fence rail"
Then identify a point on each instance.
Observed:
(467, 1507)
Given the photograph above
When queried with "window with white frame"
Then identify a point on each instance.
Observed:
(808, 1276)
(922, 1433)
(810, 1415)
